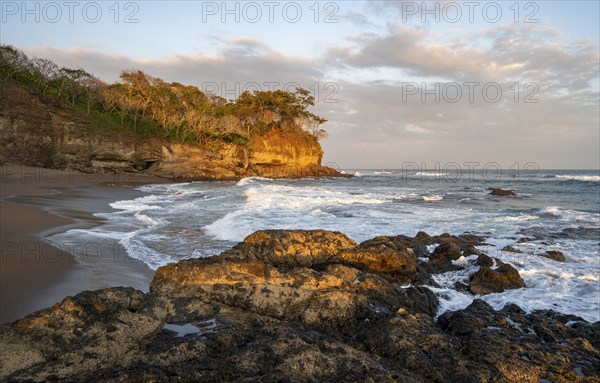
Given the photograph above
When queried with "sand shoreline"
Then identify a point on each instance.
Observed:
(36, 203)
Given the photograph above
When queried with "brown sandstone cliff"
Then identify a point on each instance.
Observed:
(37, 133)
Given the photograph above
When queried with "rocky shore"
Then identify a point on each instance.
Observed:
(304, 306)
(36, 132)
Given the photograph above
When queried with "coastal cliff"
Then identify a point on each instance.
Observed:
(37, 133)
(303, 306)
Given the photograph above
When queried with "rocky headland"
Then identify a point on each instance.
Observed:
(34, 132)
(304, 306)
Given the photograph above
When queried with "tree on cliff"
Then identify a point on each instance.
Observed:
(176, 111)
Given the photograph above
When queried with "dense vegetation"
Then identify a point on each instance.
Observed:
(148, 105)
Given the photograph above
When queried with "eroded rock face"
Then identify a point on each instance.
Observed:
(291, 248)
(298, 306)
(382, 255)
(317, 277)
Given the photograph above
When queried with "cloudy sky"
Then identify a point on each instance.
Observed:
(400, 82)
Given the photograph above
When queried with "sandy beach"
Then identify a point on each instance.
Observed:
(36, 203)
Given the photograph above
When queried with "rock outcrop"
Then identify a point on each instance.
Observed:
(36, 133)
(502, 192)
(487, 280)
(297, 306)
(554, 255)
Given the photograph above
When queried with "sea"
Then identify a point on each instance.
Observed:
(553, 210)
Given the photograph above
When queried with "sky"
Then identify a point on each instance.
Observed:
(401, 83)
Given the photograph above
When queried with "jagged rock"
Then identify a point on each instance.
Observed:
(554, 255)
(382, 255)
(487, 281)
(414, 343)
(448, 250)
(518, 347)
(289, 306)
(471, 250)
(485, 260)
(502, 192)
(92, 330)
(420, 299)
(317, 277)
(291, 247)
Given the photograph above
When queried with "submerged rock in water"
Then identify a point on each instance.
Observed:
(554, 255)
(487, 280)
(295, 305)
(502, 192)
(511, 249)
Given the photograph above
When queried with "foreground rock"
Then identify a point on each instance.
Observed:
(487, 280)
(299, 306)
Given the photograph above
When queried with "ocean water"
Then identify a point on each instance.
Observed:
(554, 210)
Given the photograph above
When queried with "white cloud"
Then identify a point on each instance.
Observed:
(416, 129)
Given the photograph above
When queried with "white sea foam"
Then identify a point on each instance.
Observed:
(164, 188)
(286, 197)
(431, 198)
(517, 218)
(578, 178)
(428, 174)
(97, 233)
(135, 205)
(573, 216)
(252, 180)
(560, 286)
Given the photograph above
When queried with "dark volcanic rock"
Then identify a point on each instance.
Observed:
(518, 347)
(448, 250)
(554, 255)
(502, 192)
(420, 299)
(92, 330)
(487, 281)
(485, 260)
(299, 306)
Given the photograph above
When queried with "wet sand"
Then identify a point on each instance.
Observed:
(36, 203)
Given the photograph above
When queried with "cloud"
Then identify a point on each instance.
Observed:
(239, 63)
(515, 52)
(412, 128)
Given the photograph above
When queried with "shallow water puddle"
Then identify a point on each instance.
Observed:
(188, 328)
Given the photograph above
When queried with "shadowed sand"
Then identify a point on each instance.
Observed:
(36, 203)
